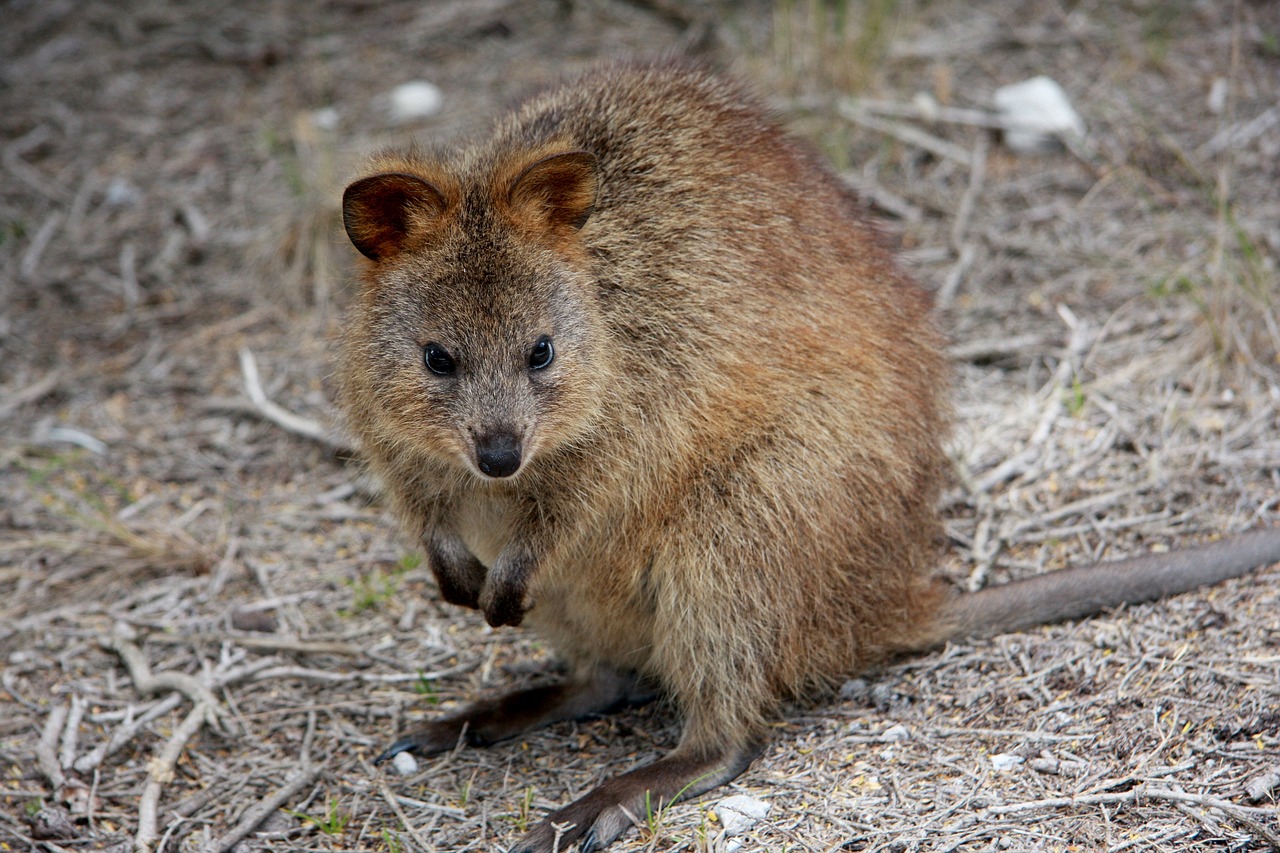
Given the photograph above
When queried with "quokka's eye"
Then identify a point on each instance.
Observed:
(542, 353)
(437, 359)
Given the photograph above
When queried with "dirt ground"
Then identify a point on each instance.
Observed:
(208, 626)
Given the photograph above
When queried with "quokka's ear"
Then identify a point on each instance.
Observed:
(382, 212)
(558, 190)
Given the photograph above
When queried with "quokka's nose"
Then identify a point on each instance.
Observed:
(498, 455)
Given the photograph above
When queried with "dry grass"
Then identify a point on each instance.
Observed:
(167, 199)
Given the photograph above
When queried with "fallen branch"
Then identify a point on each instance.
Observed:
(148, 683)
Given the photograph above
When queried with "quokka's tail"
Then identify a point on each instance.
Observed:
(1079, 592)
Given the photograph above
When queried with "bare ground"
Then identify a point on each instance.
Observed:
(209, 627)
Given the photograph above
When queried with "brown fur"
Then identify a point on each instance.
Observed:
(728, 474)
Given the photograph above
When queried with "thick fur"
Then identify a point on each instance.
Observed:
(729, 472)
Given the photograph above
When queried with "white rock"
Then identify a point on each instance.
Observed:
(414, 100)
(121, 193)
(404, 763)
(927, 105)
(1006, 761)
(739, 813)
(1218, 91)
(856, 690)
(325, 118)
(1034, 113)
(894, 733)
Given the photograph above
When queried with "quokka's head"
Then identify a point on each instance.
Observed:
(476, 338)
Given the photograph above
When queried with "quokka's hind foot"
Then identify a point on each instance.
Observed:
(493, 720)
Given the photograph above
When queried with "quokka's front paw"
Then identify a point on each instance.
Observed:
(504, 598)
(459, 575)
(503, 603)
(453, 592)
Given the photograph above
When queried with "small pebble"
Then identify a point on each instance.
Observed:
(404, 763)
(1218, 91)
(855, 690)
(927, 105)
(325, 118)
(261, 621)
(882, 696)
(414, 100)
(739, 813)
(894, 733)
(121, 193)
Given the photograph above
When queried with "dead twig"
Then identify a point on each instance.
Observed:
(71, 732)
(46, 757)
(270, 643)
(1249, 816)
(256, 814)
(125, 734)
(932, 112)
(390, 797)
(13, 153)
(905, 133)
(31, 258)
(992, 349)
(870, 190)
(364, 677)
(955, 275)
(965, 251)
(977, 176)
(1081, 338)
(161, 771)
(31, 393)
(277, 414)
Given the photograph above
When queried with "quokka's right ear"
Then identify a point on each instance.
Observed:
(556, 191)
(382, 212)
